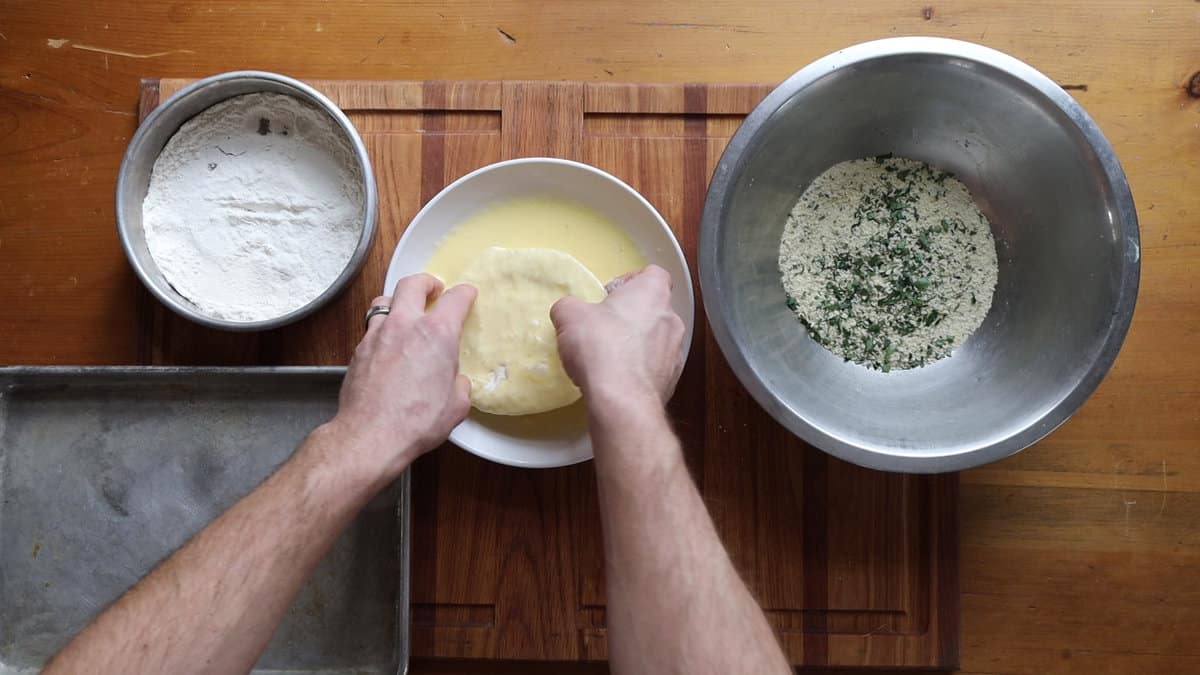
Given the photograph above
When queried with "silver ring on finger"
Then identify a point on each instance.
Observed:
(375, 310)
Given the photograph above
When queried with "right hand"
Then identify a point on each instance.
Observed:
(629, 345)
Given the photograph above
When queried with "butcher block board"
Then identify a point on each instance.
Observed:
(853, 567)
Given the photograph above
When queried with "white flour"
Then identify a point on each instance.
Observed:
(254, 207)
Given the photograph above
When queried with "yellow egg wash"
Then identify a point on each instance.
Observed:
(563, 424)
(538, 222)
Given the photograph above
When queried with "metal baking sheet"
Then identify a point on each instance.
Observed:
(105, 471)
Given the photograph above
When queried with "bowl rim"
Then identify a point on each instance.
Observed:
(361, 156)
(676, 250)
(731, 164)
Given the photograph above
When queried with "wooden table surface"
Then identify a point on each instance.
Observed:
(1081, 554)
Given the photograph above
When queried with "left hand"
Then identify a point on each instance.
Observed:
(403, 393)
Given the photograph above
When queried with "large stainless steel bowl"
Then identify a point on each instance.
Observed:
(134, 179)
(1063, 219)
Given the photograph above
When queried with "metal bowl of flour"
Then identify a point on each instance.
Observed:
(1063, 219)
(160, 125)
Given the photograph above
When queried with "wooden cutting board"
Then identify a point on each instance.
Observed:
(854, 567)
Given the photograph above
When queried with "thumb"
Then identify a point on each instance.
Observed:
(462, 396)
(566, 311)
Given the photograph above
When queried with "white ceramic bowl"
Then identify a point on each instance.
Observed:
(523, 441)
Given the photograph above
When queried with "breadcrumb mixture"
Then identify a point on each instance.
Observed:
(888, 262)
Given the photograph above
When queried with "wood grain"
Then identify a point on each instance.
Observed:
(1078, 555)
(870, 578)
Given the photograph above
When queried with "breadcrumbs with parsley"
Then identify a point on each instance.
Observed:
(888, 262)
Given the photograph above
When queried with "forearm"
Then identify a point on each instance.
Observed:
(675, 602)
(213, 605)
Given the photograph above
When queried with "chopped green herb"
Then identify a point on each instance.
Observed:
(885, 271)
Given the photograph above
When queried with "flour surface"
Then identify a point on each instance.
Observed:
(255, 207)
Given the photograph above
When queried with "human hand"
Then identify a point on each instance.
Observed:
(626, 347)
(403, 394)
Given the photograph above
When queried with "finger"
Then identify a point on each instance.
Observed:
(619, 281)
(650, 276)
(659, 275)
(414, 292)
(462, 390)
(455, 304)
(376, 321)
(650, 284)
(566, 310)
